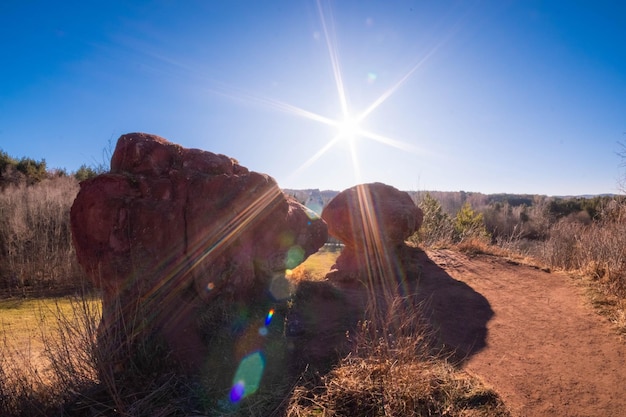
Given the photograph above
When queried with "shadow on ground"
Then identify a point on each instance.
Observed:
(324, 314)
(458, 314)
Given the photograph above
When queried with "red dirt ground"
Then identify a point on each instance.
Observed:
(532, 335)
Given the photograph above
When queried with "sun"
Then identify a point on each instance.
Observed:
(348, 129)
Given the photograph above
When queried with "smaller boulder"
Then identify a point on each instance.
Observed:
(373, 221)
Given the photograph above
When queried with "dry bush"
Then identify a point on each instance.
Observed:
(561, 249)
(395, 386)
(597, 249)
(35, 237)
(394, 382)
(602, 249)
(70, 348)
(129, 372)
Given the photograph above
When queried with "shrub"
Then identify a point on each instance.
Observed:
(85, 172)
(22, 171)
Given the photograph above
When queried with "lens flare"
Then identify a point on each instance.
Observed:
(280, 287)
(248, 377)
(268, 318)
(237, 391)
(294, 257)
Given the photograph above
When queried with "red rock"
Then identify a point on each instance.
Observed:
(372, 221)
(170, 228)
(369, 214)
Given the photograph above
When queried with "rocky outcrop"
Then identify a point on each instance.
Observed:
(372, 221)
(169, 230)
(373, 282)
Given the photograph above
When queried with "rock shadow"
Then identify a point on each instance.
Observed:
(323, 313)
(457, 313)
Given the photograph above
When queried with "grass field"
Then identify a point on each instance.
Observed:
(26, 323)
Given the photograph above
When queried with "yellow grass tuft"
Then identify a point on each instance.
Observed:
(395, 382)
(316, 266)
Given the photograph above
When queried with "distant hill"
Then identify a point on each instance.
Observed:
(587, 196)
(451, 201)
(314, 199)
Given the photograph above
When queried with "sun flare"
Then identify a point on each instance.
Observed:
(348, 128)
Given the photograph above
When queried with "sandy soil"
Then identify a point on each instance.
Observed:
(530, 334)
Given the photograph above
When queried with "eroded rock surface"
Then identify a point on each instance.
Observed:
(171, 229)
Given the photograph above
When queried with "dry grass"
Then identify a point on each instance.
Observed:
(45, 355)
(397, 375)
(607, 304)
(391, 369)
(596, 252)
(396, 386)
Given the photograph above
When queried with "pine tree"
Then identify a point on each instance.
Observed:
(437, 226)
(468, 223)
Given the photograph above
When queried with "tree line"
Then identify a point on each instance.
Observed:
(28, 171)
(36, 252)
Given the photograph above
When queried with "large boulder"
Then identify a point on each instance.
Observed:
(373, 221)
(171, 229)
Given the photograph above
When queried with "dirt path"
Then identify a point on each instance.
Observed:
(530, 334)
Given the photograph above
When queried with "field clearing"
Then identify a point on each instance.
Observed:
(25, 324)
(316, 266)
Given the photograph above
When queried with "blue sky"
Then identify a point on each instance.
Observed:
(489, 96)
